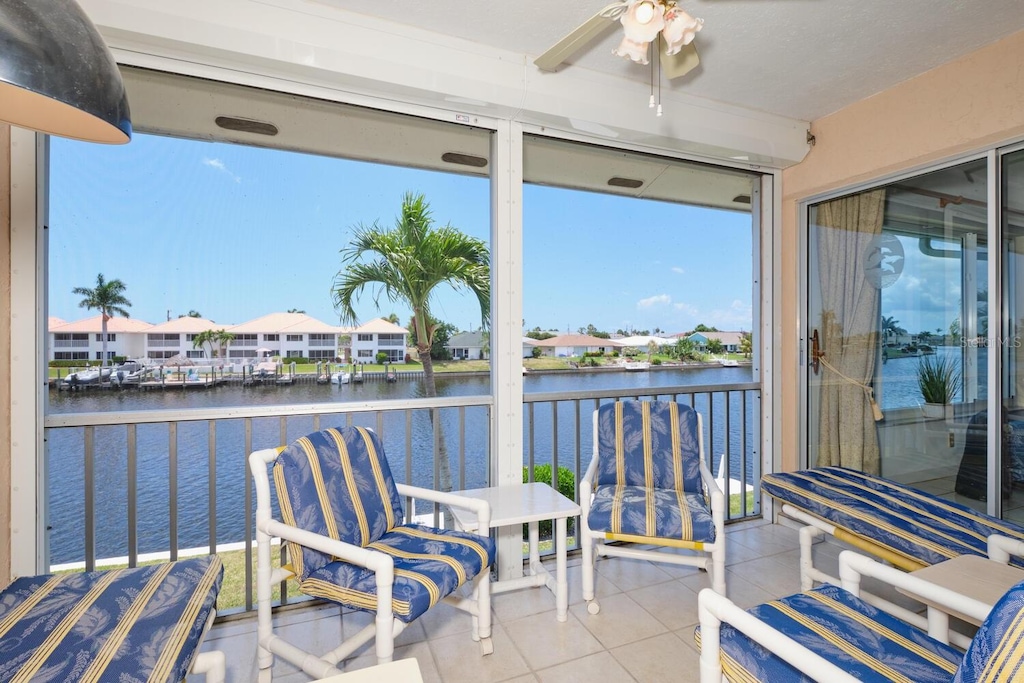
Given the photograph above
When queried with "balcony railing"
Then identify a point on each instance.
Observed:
(71, 343)
(155, 484)
(321, 342)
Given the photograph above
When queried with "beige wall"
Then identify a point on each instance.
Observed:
(968, 105)
(5, 352)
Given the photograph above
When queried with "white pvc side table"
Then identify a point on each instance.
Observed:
(528, 504)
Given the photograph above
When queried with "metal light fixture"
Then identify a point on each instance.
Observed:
(57, 75)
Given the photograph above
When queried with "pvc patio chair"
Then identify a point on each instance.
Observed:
(830, 634)
(343, 522)
(648, 484)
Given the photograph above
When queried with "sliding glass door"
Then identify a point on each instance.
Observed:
(898, 332)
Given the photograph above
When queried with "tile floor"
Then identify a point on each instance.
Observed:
(644, 631)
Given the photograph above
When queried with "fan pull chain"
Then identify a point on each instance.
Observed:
(651, 103)
(658, 60)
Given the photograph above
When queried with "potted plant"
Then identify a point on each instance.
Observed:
(939, 381)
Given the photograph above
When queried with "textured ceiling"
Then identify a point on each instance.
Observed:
(798, 58)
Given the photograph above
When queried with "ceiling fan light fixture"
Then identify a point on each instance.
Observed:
(633, 51)
(680, 30)
(633, 21)
(644, 12)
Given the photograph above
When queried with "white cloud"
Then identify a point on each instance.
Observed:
(657, 300)
(739, 316)
(222, 167)
(677, 269)
(688, 309)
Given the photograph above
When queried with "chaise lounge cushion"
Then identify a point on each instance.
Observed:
(913, 523)
(868, 643)
(141, 624)
(996, 653)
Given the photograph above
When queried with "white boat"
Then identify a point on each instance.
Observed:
(729, 363)
(357, 376)
(341, 377)
(129, 372)
(636, 365)
(87, 376)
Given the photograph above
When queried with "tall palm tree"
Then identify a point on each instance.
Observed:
(223, 338)
(211, 338)
(407, 263)
(108, 298)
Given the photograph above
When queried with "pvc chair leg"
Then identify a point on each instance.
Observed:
(718, 570)
(587, 573)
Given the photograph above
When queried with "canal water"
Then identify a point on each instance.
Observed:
(554, 434)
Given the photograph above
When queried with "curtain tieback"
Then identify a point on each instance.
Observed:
(875, 410)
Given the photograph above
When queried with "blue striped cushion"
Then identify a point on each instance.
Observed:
(657, 513)
(429, 564)
(866, 642)
(997, 651)
(336, 483)
(911, 522)
(653, 444)
(141, 624)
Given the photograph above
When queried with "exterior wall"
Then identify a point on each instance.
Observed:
(968, 105)
(5, 352)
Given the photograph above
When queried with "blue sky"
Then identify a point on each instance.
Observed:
(236, 232)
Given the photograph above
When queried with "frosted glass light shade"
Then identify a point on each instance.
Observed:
(57, 76)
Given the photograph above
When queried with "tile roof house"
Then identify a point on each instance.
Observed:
(570, 345)
(82, 339)
(467, 346)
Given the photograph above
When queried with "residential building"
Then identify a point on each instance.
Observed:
(730, 340)
(83, 339)
(468, 346)
(176, 337)
(575, 345)
(288, 335)
(378, 336)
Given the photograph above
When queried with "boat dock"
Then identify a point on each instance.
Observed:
(162, 377)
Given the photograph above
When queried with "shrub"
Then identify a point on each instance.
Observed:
(656, 361)
(566, 486)
(382, 358)
(938, 379)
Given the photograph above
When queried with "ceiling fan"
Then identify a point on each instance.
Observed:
(661, 22)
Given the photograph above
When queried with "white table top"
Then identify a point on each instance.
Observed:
(517, 504)
(400, 671)
(974, 576)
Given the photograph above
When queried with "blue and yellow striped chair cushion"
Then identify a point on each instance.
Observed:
(141, 624)
(997, 651)
(868, 643)
(912, 523)
(429, 564)
(651, 513)
(336, 483)
(653, 444)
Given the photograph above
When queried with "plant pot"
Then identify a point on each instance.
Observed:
(937, 410)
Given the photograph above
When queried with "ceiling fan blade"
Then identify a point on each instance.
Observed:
(582, 35)
(681, 63)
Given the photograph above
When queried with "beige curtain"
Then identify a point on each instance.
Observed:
(849, 330)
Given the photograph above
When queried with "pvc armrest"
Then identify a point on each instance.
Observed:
(1000, 548)
(481, 507)
(364, 557)
(853, 566)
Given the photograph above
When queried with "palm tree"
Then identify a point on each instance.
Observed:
(108, 298)
(223, 338)
(205, 337)
(408, 262)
